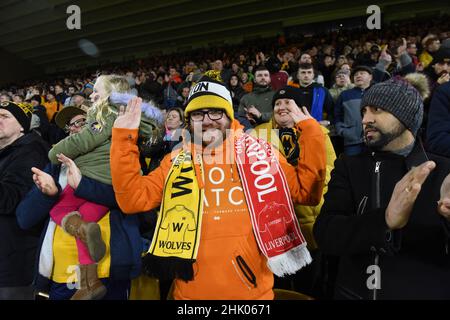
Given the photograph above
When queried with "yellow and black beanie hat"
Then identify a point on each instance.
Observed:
(21, 111)
(209, 94)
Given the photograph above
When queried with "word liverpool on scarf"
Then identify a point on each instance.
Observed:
(281, 242)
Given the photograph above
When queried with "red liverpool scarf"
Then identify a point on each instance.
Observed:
(275, 224)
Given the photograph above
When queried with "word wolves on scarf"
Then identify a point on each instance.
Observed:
(175, 245)
(227, 145)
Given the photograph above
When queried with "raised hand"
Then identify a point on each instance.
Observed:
(131, 117)
(73, 172)
(385, 57)
(405, 194)
(402, 48)
(445, 77)
(44, 182)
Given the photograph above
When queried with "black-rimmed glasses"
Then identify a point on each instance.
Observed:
(77, 124)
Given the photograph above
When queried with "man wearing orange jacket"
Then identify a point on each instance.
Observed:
(227, 222)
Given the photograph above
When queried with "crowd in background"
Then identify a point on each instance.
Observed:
(331, 72)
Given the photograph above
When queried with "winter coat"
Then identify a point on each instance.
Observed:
(18, 247)
(412, 262)
(90, 147)
(317, 99)
(124, 248)
(347, 114)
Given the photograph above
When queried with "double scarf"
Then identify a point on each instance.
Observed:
(177, 236)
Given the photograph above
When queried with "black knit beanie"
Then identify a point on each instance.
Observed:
(20, 111)
(288, 92)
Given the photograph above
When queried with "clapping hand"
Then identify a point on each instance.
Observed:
(44, 182)
(73, 172)
(405, 194)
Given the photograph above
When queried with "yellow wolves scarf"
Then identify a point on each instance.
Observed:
(177, 235)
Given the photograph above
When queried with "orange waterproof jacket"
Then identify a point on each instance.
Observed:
(226, 226)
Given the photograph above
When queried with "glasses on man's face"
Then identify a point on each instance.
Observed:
(76, 124)
(213, 114)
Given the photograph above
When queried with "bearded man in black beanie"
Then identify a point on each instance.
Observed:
(19, 152)
(386, 213)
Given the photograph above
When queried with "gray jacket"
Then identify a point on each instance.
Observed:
(347, 112)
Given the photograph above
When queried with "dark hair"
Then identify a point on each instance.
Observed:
(235, 75)
(305, 66)
(260, 68)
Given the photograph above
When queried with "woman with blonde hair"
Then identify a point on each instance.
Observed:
(90, 151)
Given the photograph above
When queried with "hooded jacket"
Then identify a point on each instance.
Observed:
(18, 247)
(227, 231)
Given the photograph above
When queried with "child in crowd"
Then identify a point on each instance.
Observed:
(90, 151)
